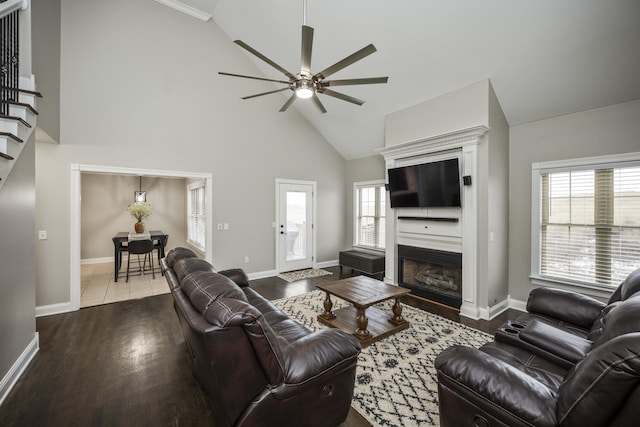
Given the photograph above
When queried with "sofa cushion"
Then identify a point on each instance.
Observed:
(631, 285)
(177, 254)
(606, 379)
(576, 309)
(204, 287)
(185, 266)
(224, 312)
(623, 319)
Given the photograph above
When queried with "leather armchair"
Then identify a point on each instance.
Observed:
(571, 361)
(574, 312)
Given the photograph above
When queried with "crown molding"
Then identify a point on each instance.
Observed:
(185, 8)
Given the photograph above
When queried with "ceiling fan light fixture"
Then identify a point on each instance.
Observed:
(303, 89)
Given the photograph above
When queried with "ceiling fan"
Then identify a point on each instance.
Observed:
(306, 85)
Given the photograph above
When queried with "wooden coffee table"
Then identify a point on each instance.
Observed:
(367, 323)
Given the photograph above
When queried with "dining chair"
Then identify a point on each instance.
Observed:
(140, 247)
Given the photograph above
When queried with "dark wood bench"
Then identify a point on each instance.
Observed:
(365, 262)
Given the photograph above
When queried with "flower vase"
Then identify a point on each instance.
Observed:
(139, 227)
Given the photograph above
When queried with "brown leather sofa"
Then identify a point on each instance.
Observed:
(258, 367)
(570, 361)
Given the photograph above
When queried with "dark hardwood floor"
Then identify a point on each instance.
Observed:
(125, 364)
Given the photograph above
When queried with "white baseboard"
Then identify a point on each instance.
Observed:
(488, 313)
(48, 310)
(262, 274)
(327, 264)
(18, 367)
(517, 304)
(96, 260)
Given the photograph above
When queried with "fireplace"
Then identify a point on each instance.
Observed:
(432, 274)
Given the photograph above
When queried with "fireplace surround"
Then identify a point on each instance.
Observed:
(453, 230)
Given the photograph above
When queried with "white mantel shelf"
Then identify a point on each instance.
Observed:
(444, 142)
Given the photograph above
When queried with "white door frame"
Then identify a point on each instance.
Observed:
(75, 225)
(314, 215)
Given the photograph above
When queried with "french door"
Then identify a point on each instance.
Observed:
(295, 240)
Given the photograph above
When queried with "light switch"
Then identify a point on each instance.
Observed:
(219, 227)
(226, 226)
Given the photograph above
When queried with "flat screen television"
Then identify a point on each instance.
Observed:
(427, 185)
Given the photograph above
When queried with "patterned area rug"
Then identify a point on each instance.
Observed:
(395, 379)
(292, 276)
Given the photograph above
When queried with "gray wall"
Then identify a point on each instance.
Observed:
(103, 210)
(603, 131)
(45, 16)
(135, 95)
(497, 204)
(17, 258)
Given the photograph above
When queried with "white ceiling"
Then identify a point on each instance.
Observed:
(544, 58)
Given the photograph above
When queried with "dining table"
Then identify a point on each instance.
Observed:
(121, 239)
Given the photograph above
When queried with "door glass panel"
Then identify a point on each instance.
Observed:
(296, 225)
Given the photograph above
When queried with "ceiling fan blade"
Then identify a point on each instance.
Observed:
(307, 45)
(266, 93)
(318, 104)
(341, 96)
(264, 58)
(354, 57)
(288, 103)
(347, 82)
(252, 77)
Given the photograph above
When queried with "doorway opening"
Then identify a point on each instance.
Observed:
(76, 214)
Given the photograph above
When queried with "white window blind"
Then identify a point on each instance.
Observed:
(370, 207)
(589, 223)
(196, 220)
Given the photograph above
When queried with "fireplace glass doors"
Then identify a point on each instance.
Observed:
(431, 274)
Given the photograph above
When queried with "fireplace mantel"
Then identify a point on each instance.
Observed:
(449, 141)
(464, 143)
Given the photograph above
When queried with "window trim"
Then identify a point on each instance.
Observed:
(356, 186)
(537, 170)
(193, 186)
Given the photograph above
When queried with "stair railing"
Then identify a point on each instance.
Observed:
(9, 62)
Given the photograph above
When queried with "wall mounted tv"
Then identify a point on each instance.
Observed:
(427, 185)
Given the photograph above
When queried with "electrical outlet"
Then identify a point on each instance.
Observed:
(246, 260)
(42, 234)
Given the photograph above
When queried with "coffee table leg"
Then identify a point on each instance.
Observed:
(397, 313)
(328, 305)
(363, 322)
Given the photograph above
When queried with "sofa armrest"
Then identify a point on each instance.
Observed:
(319, 355)
(237, 275)
(495, 385)
(571, 307)
(556, 341)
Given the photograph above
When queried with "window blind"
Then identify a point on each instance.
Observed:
(590, 226)
(370, 208)
(196, 216)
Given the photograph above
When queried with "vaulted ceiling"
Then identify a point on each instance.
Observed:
(544, 58)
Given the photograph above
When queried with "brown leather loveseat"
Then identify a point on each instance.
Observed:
(258, 367)
(569, 361)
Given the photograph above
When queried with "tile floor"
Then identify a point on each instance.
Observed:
(98, 286)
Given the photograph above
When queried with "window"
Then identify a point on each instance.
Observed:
(585, 223)
(370, 207)
(196, 220)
